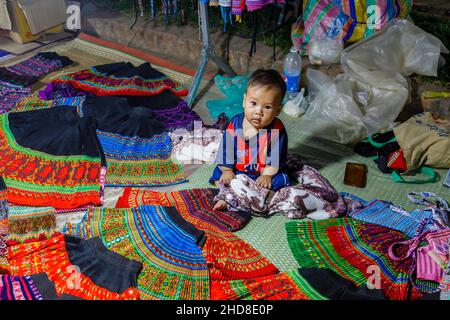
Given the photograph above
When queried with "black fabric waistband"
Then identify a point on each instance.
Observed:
(96, 248)
(186, 226)
(112, 257)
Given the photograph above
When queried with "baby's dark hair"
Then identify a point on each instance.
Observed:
(268, 77)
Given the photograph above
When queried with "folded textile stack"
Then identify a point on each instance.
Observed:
(16, 80)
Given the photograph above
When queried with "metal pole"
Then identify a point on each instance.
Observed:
(206, 53)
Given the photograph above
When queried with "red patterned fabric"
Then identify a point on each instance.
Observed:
(273, 287)
(50, 256)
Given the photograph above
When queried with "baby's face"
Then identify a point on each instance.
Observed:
(261, 105)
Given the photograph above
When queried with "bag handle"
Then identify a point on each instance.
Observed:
(379, 144)
(433, 176)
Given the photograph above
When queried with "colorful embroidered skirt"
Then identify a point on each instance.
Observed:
(167, 246)
(51, 157)
(33, 102)
(172, 111)
(386, 214)
(3, 226)
(195, 205)
(121, 79)
(76, 268)
(27, 72)
(18, 288)
(282, 286)
(167, 108)
(10, 96)
(355, 251)
(228, 256)
(16, 80)
(136, 146)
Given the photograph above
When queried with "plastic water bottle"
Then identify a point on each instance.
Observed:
(291, 72)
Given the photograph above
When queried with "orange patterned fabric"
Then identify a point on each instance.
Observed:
(39, 179)
(50, 256)
(275, 287)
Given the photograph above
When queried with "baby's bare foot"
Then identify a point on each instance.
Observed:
(220, 205)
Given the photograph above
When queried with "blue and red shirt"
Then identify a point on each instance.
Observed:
(267, 148)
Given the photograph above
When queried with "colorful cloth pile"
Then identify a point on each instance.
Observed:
(349, 21)
(16, 80)
(159, 238)
(228, 257)
(77, 268)
(281, 286)
(137, 148)
(30, 224)
(357, 251)
(120, 79)
(238, 6)
(19, 288)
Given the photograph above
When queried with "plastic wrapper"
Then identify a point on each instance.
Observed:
(324, 50)
(234, 90)
(373, 89)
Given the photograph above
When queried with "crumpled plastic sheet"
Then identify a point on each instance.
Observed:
(372, 91)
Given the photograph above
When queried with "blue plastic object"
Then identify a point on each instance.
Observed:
(234, 90)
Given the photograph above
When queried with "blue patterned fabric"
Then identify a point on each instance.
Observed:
(120, 147)
(386, 214)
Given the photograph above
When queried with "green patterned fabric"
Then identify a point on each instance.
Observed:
(312, 248)
(305, 287)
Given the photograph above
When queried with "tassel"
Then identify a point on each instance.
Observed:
(141, 7)
(152, 8)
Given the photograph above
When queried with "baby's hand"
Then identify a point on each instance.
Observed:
(226, 177)
(264, 181)
(220, 205)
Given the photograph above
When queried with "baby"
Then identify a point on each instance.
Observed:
(255, 142)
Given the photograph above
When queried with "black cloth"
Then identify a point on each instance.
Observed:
(107, 269)
(47, 288)
(334, 287)
(157, 102)
(115, 115)
(366, 149)
(56, 131)
(128, 70)
(199, 235)
(431, 296)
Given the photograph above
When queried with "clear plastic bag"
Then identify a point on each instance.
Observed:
(373, 90)
(324, 51)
